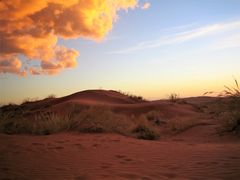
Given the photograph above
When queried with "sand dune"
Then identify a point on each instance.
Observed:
(189, 146)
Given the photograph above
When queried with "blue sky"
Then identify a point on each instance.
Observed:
(182, 46)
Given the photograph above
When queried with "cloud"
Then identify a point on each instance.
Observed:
(183, 36)
(146, 6)
(32, 28)
(11, 64)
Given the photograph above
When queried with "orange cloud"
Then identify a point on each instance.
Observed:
(11, 64)
(32, 28)
(146, 6)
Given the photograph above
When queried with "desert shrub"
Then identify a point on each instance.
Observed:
(174, 97)
(97, 119)
(144, 130)
(154, 117)
(133, 97)
(227, 108)
(50, 122)
(233, 91)
(12, 124)
(181, 125)
(51, 96)
(230, 122)
(43, 123)
(28, 100)
(94, 119)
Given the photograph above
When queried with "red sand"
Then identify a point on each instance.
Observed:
(109, 156)
(197, 153)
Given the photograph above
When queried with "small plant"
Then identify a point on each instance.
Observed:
(29, 100)
(231, 91)
(230, 122)
(51, 96)
(133, 97)
(174, 97)
(154, 117)
(181, 125)
(144, 130)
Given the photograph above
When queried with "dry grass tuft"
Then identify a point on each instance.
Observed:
(99, 119)
(133, 97)
(227, 108)
(144, 129)
(174, 97)
(180, 125)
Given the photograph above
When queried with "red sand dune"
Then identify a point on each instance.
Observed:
(197, 153)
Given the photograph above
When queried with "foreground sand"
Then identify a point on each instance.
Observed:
(110, 156)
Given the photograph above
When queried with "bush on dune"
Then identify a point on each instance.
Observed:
(99, 119)
(144, 129)
(95, 119)
(227, 109)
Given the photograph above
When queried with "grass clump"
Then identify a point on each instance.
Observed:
(144, 130)
(181, 125)
(133, 97)
(230, 123)
(43, 123)
(51, 96)
(154, 117)
(174, 97)
(227, 109)
(98, 119)
(50, 122)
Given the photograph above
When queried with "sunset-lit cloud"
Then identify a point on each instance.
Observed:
(32, 28)
(146, 5)
(187, 35)
(11, 64)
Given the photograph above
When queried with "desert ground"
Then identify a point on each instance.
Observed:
(99, 134)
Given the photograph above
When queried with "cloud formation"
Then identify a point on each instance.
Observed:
(146, 5)
(32, 28)
(188, 35)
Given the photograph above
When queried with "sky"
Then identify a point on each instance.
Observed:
(150, 48)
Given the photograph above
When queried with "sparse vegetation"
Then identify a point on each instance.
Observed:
(51, 96)
(133, 97)
(43, 123)
(174, 97)
(99, 119)
(228, 109)
(94, 119)
(233, 92)
(230, 122)
(29, 100)
(154, 117)
(145, 130)
(180, 125)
